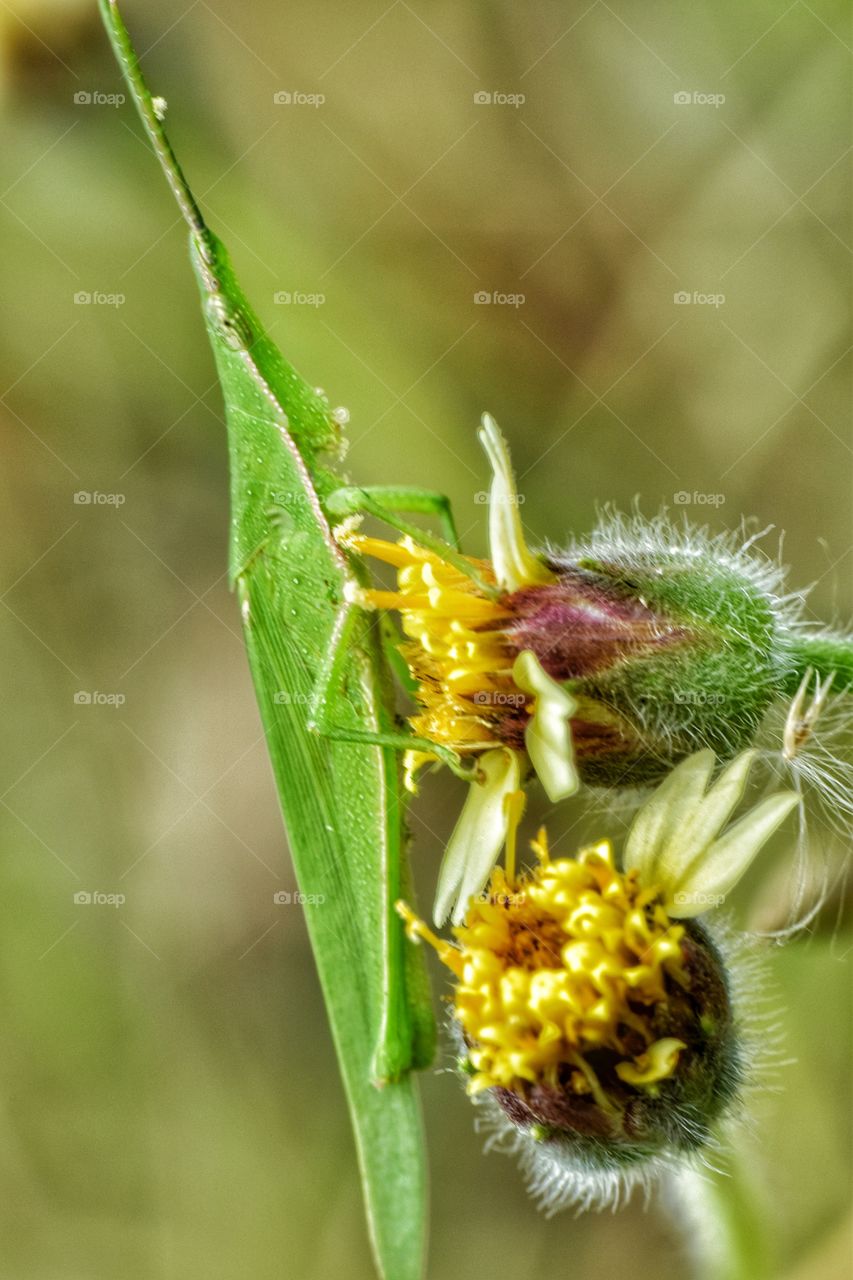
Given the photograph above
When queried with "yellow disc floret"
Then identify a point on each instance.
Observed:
(571, 959)
(457, 650)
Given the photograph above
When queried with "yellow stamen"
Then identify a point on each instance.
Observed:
(458, 651)
(655, 1064)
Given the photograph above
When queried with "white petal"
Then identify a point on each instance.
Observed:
(514, 565)
(708, 818)
(666, 813)
(478, 836)
(718, 870)
(548, 736)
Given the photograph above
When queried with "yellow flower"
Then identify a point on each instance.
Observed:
(591, 1007)
(476, 694)
(563, 964)
(457, 649)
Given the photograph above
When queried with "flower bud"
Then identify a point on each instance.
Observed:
(669, 641)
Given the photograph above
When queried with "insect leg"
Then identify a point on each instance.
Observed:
(394, 500)
(362, 501)
(327, 691)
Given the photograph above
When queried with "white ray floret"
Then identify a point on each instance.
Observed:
(678, 841)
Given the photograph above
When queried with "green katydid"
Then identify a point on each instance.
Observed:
(342, 802)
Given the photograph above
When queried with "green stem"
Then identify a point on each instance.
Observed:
(825, 652)
(726, 1225)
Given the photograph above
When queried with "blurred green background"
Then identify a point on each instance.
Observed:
(169, 1099)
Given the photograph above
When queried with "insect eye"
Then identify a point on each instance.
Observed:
(232, 324)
